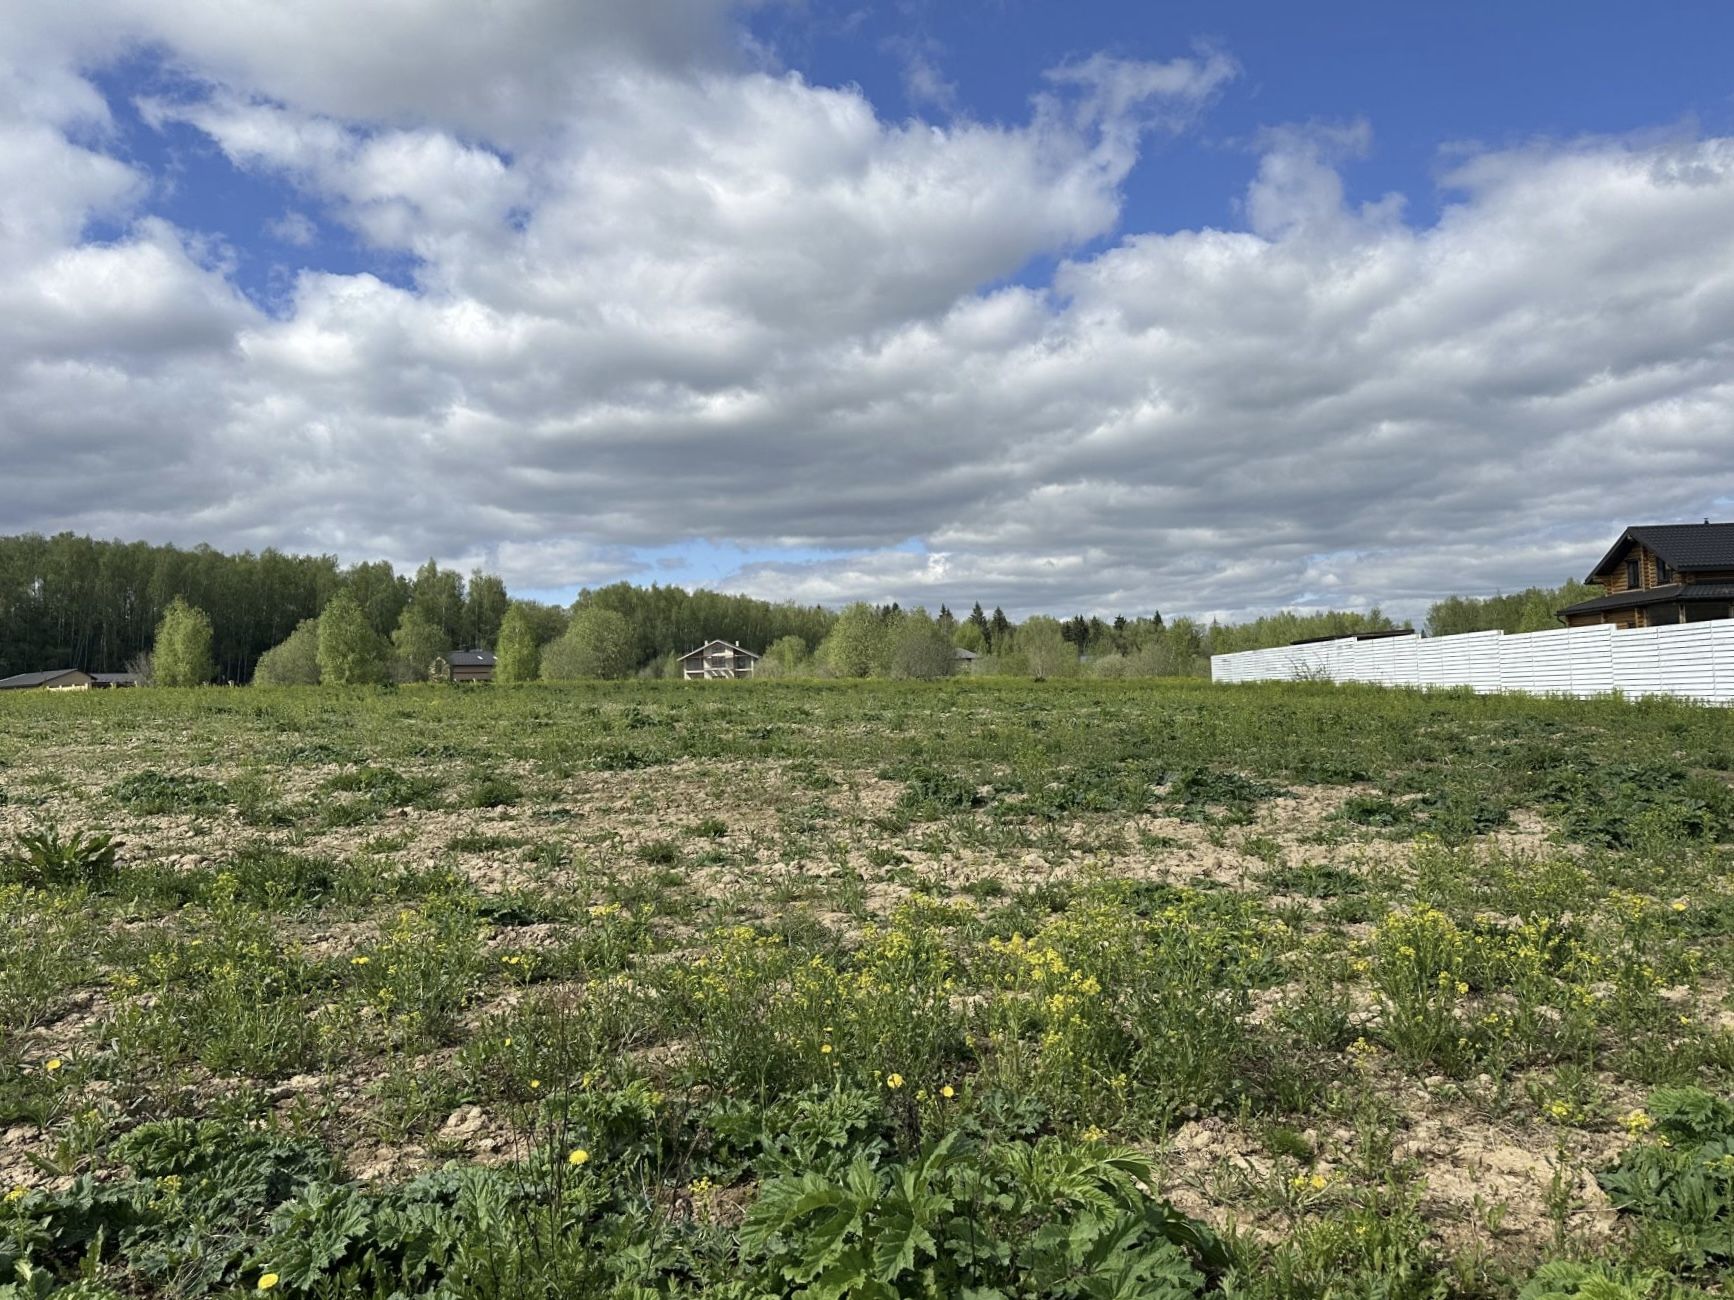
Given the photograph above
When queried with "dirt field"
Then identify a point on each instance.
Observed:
(1394, 995)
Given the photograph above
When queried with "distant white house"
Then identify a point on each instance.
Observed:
(718, 659)
(67, 679)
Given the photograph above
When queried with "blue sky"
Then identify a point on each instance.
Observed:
(1430, 79)
(1003, 301)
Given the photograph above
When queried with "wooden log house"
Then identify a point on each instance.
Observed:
(1659, 574)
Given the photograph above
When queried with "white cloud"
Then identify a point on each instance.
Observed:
(662, 292)
(295, 228)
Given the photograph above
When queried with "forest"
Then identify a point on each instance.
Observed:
(75, 601)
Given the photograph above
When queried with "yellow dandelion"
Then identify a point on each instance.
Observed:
(267, 1281)
(359, 961)
(53, 1064)
(535, 1083)
(894, 1081)
(948, 1092)
(825, 1049)
(579, 1156)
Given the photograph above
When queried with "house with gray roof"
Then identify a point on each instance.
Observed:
(1659, 574)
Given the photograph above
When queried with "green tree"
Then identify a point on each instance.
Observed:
(1534, 609)
(351, 653)
(978, 621)
(181, 655)
(597, 643)
(440, 593)
(294, 661)
(517, 654)
(381, 593)
(1289, 626)
(485, 605)
(856, 646)
(1042, 643)
(1177, 650)
(417, 642)
(969, 636)
(784, 657)
(920, 648)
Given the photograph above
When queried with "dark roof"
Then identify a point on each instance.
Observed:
(471, 659)
(731, 645)
(115, 679)
(21, 680)
(1686, 593)
(1356, 636)
(1689, 548)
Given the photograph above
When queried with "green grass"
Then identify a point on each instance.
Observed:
(1059, 989)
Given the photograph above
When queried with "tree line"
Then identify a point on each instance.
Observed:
(72, 601)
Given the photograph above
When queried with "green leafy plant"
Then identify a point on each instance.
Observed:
(45, 859)
(1011, 1218)
(1568, 1280)
(161, 792)
(1680, 1184)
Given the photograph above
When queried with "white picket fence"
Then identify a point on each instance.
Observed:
(1691, 660)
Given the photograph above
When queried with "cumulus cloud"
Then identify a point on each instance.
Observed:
(661, 289)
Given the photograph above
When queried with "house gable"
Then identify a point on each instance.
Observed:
(1661, 573)
(718, 658)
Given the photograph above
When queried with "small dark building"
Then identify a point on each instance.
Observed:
(1657, 574)
(470, 665)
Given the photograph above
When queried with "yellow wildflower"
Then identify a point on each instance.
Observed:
(53, 1064)
(535, 1083)
(894, 1081)
(267, 1281)
(825, 1049)
(948, 1092)
(359, 961)
(578, 1157)
(17, 1194)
